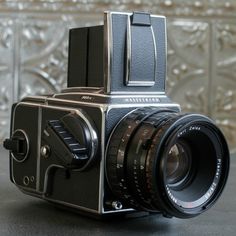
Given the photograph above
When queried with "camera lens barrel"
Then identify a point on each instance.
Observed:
(158, 160)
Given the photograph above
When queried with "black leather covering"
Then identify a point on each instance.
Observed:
(142, 61)
(137, 51)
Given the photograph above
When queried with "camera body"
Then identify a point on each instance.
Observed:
(86, 189)
(60, 143)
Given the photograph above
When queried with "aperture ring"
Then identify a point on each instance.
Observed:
(116, 153)
(136, 163)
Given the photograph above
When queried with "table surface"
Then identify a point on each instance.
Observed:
(24, 215)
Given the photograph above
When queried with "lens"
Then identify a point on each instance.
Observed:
(160, 161)
(178, 164)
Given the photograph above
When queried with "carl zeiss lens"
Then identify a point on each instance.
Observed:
(161, 161)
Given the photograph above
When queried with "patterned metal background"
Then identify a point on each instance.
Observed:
(201, 51)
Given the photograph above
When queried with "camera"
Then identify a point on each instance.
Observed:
(113, 143)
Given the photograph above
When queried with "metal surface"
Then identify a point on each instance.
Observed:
(24, 215)
(201, 51)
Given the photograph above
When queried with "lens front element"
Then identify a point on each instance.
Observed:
(178, 164)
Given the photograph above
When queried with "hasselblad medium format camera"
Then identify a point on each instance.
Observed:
(113, 143)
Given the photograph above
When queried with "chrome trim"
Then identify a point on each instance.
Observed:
(38, 149)
(61, 100)
(41, 98)
(27, 141)
(130, 13)
(81, 208)
(155, 53)
(31, 193)
(129, 51)
(36, 96)
(46, 176)
(102, 164)
(140, 83)
(122, 210)
(145, 105)
(11, 157)
(103, 106)
(135, 93)
(28, 190)
(100, 105)
(108, 52)
(50, 106)
(95, 90)
(108, 95)
(44, 196)
(166, 52)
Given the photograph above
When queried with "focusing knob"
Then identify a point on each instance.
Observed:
(73, 140)
(18, 144)
(79, 130)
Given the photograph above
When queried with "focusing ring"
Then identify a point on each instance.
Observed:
(117, 153)
(157, 193)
